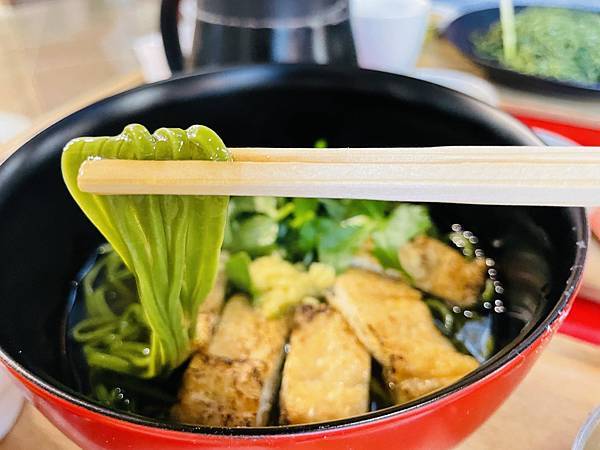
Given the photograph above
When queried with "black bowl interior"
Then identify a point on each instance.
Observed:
(460, 32)
(45, 238)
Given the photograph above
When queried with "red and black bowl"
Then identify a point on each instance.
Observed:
(45, 240)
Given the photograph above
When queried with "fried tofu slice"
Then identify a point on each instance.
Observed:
(397, 328)
(233, 383)
(219, 391)
(209, 311)
(327, 370)
(440, 270)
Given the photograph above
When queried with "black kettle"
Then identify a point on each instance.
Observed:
(232, 32)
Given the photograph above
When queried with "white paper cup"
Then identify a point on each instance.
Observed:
(388, 34)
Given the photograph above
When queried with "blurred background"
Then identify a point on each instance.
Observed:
(54, 51)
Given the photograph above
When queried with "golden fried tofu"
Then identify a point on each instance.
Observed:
(327, 370)
(221, 391)
(397, 328)
(440, 270)
(233, 383)
(208, 313)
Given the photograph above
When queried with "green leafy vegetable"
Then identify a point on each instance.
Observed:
(321, 143)
(339, 242)
(327, 230)
(404, 223)
(170, 243)
(255, 235)
(376, 210)
(237, 270)
(253, 224)
(261, 205)
(286, 209)
(305, 210)
(335, 209)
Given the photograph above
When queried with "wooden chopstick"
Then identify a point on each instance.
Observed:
(551, 176)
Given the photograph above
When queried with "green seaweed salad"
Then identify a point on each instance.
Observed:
(555, 43)
(143, 292)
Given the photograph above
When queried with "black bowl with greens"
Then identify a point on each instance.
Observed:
(557, 56)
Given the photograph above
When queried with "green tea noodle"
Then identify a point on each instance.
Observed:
(112, 339)
(170, 243)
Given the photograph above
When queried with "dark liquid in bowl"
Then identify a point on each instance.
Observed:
(476, 331)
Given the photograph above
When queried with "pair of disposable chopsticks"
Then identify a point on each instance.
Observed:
(551, 176)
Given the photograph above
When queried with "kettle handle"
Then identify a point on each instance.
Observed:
(169, 11)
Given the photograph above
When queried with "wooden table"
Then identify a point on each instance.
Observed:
(545, 412)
